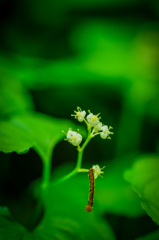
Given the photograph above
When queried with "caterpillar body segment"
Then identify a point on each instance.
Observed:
(88, 208)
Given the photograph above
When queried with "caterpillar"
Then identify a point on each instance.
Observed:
(88, 208)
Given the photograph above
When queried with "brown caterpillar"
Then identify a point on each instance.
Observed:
(88, 208)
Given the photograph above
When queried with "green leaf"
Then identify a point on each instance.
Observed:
(14, 97)
(65, 216)
(65, 204)
(113, 194)
(144, 179)
(9, 229)
(104, 50)
(36, 130)
(150, 236)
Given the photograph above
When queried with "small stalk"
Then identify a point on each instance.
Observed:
(79, 162)
(46, 174)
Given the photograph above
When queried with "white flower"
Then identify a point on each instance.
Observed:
(105, 129)
(97, 171)
(98, 127)
(105, 132)
(74, 138)
(93, 120)
(80, 115)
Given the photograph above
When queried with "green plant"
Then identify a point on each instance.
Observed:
(21, 132)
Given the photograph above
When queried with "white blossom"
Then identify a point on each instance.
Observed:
(92, 119)
(105, 132)
(80, 115)
(98, 127)
(97, 171)
(74, 138)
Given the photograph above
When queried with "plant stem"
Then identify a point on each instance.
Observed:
(79, 162)
(83, 170)
(46, 174)
(80, 154)
(72, 173)
(47, 168)
(46, 159)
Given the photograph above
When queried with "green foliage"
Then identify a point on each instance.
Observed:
(109, 51)
(65, 210)
(64, 218)
(151, 236)
(144, 179)
(14, 98)
(9, 229)
(76, 58)
(114, 195)
(36, 130)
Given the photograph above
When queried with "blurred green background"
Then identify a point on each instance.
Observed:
(99, 55)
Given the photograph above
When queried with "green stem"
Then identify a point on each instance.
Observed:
(72, 173)
(47, 168)
(46, 159)
(46, 174)
(87, 140)
(80, 154)
(79, 162)
(83, 170)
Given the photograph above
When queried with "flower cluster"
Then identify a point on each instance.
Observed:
(98, 127)
(94, 126)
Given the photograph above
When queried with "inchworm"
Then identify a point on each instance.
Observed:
(88, 208)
